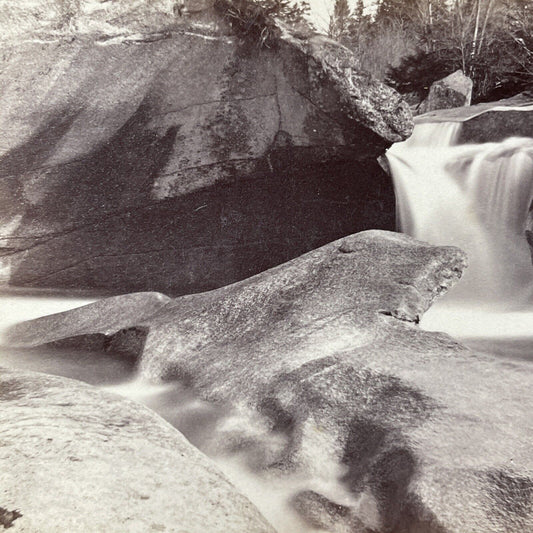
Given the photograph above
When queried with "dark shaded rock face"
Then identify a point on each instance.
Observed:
(529, 230)
(423, 435)
(74, 458)
(183, 159)
(497, 126)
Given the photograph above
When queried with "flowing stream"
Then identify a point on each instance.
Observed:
(198, 420)
(472, 196)
(476, 197)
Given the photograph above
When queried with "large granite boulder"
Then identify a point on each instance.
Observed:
(455, 90)
(76, 459)
(152, 148)
(333, 381)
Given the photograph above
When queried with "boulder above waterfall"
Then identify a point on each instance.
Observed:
(151, 149)
(421, 433)
(452, 91)
(77, 459)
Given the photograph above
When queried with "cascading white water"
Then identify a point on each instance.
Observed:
(476, 197)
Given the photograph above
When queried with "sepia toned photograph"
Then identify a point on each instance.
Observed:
(266, 266)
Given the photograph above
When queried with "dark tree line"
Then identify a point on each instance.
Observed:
(419, 41)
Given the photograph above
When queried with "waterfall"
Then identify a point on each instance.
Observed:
(476, 197)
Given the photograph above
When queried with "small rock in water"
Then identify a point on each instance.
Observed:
(320, 512)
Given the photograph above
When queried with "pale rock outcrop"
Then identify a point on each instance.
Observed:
(452, 91)
(76, 459)
(426, 435)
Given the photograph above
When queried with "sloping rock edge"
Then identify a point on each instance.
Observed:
(104, 323)
(75, 458)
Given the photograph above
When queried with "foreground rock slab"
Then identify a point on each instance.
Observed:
(333, 381)
(73, 458)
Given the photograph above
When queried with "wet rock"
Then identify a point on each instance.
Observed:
(490, 121)
(529, 230)
(500, 120)
(323, 514)
(420, 433)
(151, 150)
(74, 458)
(452, 91)
(396, 429)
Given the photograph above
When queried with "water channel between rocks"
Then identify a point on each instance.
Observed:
(472, 196)
(196, 419)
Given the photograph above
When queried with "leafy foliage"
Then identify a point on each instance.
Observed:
(412, 43)
(377, 44)
(490, 41)
(416, 72)
(339, 23)
(255, 20)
